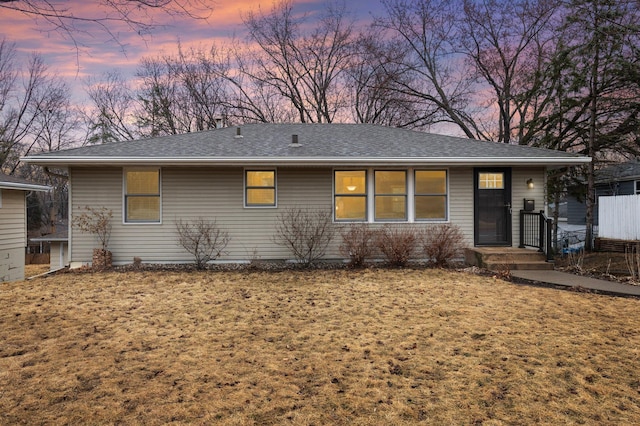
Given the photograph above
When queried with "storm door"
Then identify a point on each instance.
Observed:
(492, 212)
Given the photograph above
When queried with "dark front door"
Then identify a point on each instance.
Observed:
(492, 200)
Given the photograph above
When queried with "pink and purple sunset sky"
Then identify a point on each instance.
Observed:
(97, 53)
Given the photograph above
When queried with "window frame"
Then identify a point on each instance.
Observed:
(359, 195)
(502, 181)
(405, 195)
(636, 188)
(246, 189)
(125, 196)
(445, 194)
(410, 195)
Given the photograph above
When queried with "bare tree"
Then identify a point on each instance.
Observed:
(112, 117)
(503, 40)
(201, 74)
(303, 68)
(375, 79)
(34, 107)
(600, 105)
(182, 93)
(431, 72)
(158, 96)
(138, 16)
(250, 99)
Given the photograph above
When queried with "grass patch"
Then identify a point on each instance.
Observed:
(37, 269)
(321, 347)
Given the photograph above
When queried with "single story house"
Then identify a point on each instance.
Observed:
(58, 246)
(616, 179)
(13, 225)
(245, 177)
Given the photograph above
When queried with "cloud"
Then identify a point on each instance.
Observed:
(89, 50)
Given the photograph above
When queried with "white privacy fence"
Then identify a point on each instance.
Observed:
(619, 217)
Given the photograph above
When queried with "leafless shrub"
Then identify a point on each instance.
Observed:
(442, 244)
(575, 260)
(97, 221)
(357, 243)
(203, 239)
(632, 258)
(397, 245)
(306, 233)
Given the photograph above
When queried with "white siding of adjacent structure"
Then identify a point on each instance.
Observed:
(217, 193)
(59, 255)
(619, 217)
(13, 237)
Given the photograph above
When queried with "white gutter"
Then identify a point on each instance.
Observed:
(24, 186)
(320, 161)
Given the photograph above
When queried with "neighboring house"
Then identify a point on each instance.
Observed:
(13, 225)
(58, 247)
(245, 177)
(616, 179)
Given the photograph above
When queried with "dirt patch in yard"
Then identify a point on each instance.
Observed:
(317, 347)
(604, 265)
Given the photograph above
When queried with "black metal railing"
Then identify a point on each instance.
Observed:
(535, 231)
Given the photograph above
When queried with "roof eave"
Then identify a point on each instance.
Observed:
(47, 240)
(24, 186)
(299, 161)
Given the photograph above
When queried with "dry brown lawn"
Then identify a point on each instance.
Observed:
(322, 347)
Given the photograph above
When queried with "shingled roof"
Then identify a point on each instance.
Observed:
(322, 144)
(619, 172)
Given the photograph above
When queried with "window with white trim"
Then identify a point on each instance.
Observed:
(397, 195)
(142, 196)
(350, 195)
(390, 194)
(260, 188)
(430, 199)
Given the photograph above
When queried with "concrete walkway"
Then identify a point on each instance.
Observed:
(564, 279)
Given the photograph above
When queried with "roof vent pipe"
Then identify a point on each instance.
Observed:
(294, 141)
(238, 133)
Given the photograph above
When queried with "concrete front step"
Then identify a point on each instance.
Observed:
(507, 258)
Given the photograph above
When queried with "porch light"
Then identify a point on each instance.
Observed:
(530, 184)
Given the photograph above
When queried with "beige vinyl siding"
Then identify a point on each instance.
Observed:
(461, 201)
(13, 228)
(13, 219)
(519, 192)
(189, 194)
(217, 193)
(95, 188)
